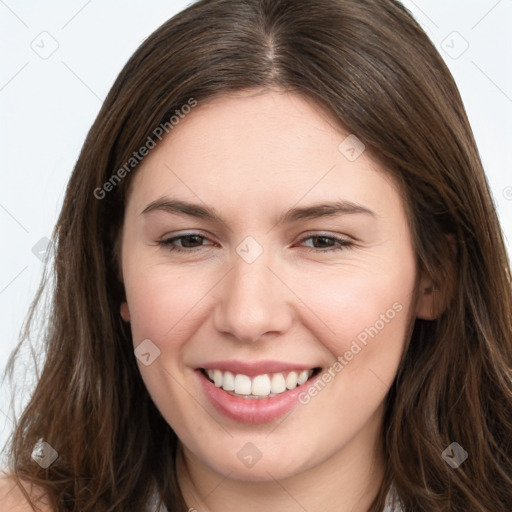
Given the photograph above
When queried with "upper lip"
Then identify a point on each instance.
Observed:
(255, 368)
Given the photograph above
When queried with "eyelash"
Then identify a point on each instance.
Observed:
(168, 243)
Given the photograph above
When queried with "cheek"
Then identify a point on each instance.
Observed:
(164, 306)
(164, 301)
(362, 311)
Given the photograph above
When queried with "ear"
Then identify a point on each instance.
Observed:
(434, 294)
(125, 312)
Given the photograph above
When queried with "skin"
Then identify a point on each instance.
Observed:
(251, 156)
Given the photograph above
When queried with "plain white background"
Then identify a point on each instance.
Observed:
(59, 60)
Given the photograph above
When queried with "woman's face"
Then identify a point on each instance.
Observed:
(265, 282)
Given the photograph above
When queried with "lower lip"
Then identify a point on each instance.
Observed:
(252, 411)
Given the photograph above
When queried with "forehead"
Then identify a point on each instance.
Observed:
(255, 149)
(255, 123)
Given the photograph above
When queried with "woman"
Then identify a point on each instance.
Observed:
(280, 280)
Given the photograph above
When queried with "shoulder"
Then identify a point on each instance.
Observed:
(12, 498)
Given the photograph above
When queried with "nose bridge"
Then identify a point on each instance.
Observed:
(253, 301)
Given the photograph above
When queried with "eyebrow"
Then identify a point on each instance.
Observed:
(314, 211)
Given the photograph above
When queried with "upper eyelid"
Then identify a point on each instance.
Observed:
(184, 235)
(311, 234)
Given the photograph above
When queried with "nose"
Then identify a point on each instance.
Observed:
(254, 301)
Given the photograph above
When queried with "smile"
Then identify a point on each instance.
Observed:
(266, 385)
(265, 392)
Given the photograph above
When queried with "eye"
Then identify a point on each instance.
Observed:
(328, 243)
(189, 242)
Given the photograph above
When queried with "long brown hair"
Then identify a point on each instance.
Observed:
(371, 65)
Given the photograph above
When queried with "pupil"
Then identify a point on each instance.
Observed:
(324, 239)
(187, 239)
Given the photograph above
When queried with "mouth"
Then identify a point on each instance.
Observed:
(266, 385)
(257, 398)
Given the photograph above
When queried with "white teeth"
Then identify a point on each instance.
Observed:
(266, 385)
(217, 378)
(291, 380)
(278, 384)
(242, 385)
(303, 377)
(261, 385)
(228, 382)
